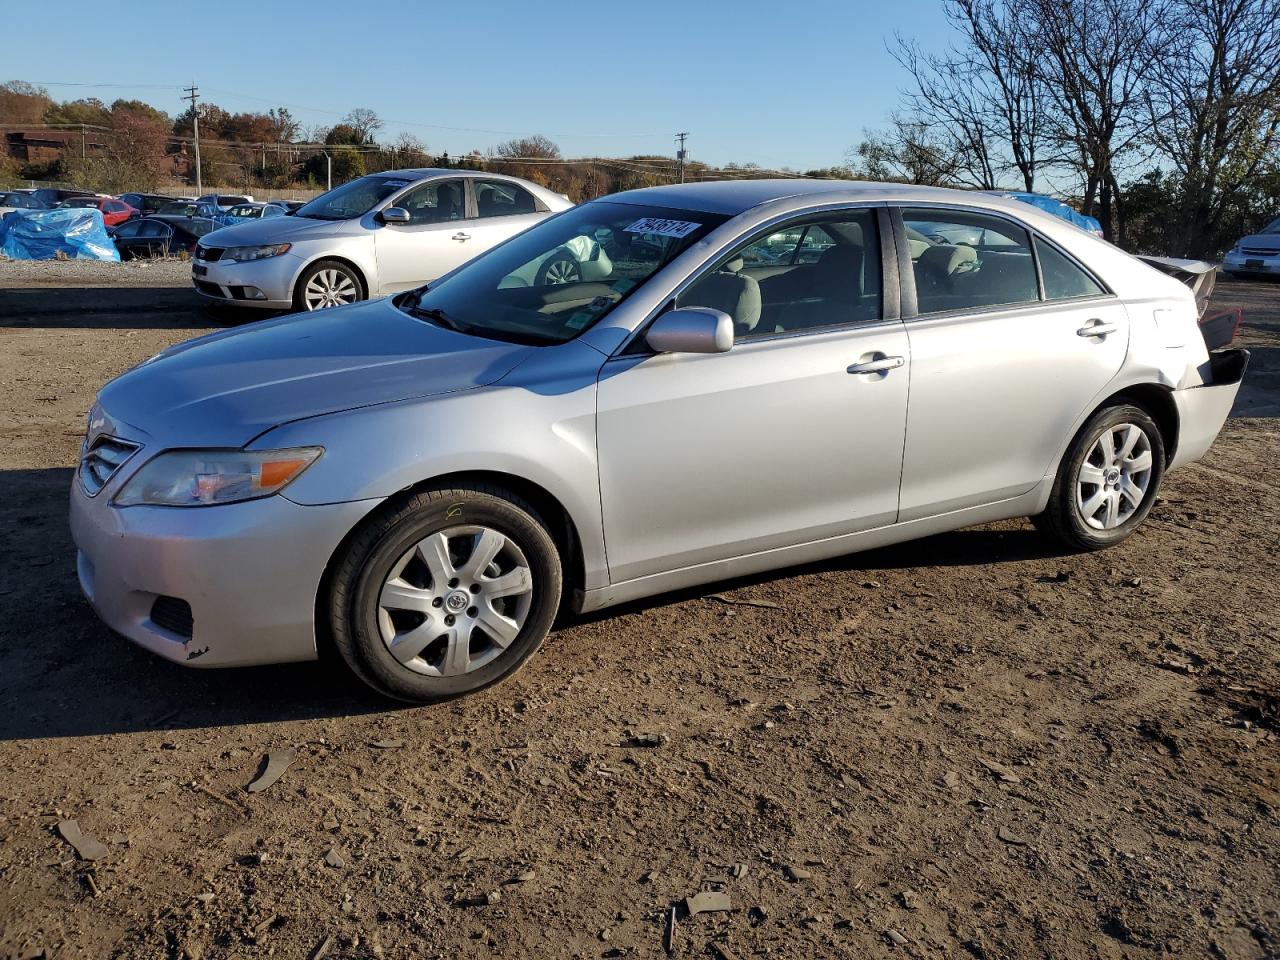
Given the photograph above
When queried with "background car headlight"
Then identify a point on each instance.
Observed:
(245, 254)
(198, 478)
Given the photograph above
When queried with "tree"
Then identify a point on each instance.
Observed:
(22, 102)
(365, 122)
(1215, 109)
(1095, 58)
(532, 147)
(909, 151)
(344, 134)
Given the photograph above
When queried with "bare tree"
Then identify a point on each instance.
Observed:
(1095, 58)
(533, 147)
(1215, 107)
(910, 150)
(365, 121)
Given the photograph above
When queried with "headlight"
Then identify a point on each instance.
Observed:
(198, 478)
(245, 254)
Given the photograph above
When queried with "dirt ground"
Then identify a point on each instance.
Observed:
(969, 746)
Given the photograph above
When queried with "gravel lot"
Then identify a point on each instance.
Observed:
(968, 746)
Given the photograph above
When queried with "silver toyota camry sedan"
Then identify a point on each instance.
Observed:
(766, 373)
(370, 237)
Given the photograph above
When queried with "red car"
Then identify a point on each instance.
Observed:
(114, 212)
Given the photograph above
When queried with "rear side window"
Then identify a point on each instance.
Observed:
(497, 198)
(1063, 278)
(967, 261)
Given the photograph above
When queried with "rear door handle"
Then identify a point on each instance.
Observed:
(462, 236)
(1096, 328)
(879, 365)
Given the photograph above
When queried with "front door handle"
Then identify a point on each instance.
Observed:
(462, 236)
(881, 364)
(1096, 328)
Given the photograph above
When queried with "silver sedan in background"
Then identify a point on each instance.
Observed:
(752, 375)
(373, 236)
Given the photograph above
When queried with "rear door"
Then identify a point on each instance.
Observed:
(433, 242)
(1002, 364)
(499, 209)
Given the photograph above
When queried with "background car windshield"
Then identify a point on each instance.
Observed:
(353, 199)
(555, 280)
(1272, 227)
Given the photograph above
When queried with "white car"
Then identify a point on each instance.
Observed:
(374, 236)
(1257, 254)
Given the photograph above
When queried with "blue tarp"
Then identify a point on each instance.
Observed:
(76, 232)
(1058, 209)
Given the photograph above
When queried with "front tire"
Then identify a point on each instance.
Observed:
(1107, 482)
(445, 593)
(329, 283)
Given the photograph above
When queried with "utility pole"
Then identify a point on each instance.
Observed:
(680, 154)
(193, 94)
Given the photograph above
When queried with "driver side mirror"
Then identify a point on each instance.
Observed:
(691, 330)
(395, 215)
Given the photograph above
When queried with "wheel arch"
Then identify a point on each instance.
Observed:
(358, 270)
(559, 522)
(1157, 400)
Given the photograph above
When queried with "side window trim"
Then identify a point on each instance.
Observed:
(907, 286)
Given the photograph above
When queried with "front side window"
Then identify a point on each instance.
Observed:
(498, 198)
(965, 261)
(437, 202)
(1063, 277)
(830, 282)
(556, 279)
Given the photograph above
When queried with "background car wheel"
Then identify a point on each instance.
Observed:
(560, 267)
(444, 593)
(1107, 482)
(327, 284)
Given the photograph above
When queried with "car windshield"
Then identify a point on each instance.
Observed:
(80, 202)
(178, 208)
(244, 210)
(552, 282)
(352, 199)
(1272, 227)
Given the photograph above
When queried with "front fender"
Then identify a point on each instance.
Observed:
(539, 428)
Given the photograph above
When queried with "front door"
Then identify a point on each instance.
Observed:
(794, 435)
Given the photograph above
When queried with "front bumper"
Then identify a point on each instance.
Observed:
(249, 571)
(267, 284)
(1203, 410)
(1252, 264)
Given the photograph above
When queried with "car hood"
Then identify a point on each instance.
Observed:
(278, 230)
(1262, 241)
(224, 389)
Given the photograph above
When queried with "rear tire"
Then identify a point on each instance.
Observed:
(444, 593)
(1108, 480)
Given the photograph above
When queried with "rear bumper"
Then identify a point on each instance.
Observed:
(1203, 410)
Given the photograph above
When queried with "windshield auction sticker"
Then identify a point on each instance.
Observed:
(663, 228)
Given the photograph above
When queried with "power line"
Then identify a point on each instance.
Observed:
(680, 139)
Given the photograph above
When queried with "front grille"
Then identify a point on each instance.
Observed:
(209, 254)
(212, 289)
(1260, 251)
(101, 460)
(172, 614)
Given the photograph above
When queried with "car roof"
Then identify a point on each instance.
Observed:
(733, 197)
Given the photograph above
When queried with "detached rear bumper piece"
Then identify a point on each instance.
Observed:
(1203, 410)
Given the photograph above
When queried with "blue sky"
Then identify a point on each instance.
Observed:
(778, 83)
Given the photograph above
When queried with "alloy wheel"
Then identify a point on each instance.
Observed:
(329, 288)
(1114, 476)
(455, 601)
(562, 271)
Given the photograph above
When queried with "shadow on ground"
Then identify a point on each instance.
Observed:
(63, 674)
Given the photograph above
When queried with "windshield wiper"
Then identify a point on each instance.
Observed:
(438, 317)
